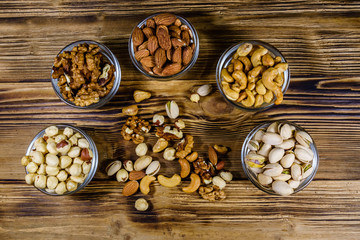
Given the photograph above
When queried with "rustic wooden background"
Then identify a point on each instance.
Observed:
(320, 40)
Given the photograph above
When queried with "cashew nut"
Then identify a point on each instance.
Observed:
(246, 62)
(145, 184)
(277, 60)
(251, 86)
(250, 99)
(238, 66)
(194, 184)
(230, 94)
(169, 182)
(268, 96)
(185, 168)
(255, 72)
(260, 88)
(236, 87)
(242, 96)
(192, 157)
(268, 81)
(267, 60)
(259, 100)
(281, 67)
(279, 79)
(244, 49)
(241, 78)
(230, 68)
(256, 57)
(226, 75)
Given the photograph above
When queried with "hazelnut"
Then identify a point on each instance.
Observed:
(37, 157)
(141, 204)
(83, 143)
(141, 149)
(42, 169)
(52, 171)
(60, 138)
(122, 175)
(75, 170)
(60, 188)
(158, 120)
(31, 167)
(74, 152)
(169, 154)
(71, 186)
(179, 124)
(141, 95)
(51, 131)
(218, 181)
(86, 167)
(52, 182)
(195, 97)
(65, 161)
(30, 178)
(25, 160)
(131, 110)
(52, 160)
(51, 147)
(68, 132)
(62, 176)
(40, 181)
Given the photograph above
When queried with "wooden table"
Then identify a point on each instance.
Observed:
(320, 40)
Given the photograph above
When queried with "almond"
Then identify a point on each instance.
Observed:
(130, 188)
(148, 61)
(220, 165)
(174, 34)
(165, 19)
(177, 55)
(175, 29)
(157, 70)
(153, 44)
(187, 55)
(147, 69)
(150, 23)
(177, 22)
(171, 69)
(141, 54)
(136, 175)
(169, 54)
(176, 42)
(148, 32)
(163, 36)
(137, 37)
(160, 57)
(143, 46)
(212, 156)
(185, 36)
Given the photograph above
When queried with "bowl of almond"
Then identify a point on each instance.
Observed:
(164, 46)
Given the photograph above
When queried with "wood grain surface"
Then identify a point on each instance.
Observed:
(320, 40)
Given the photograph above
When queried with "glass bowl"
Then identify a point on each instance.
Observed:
(171, 77)
(252, 176)
(224, 61)
(110, 57)
(94, 161)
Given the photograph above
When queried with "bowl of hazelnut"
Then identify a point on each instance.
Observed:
(60, 160)
(85, 74)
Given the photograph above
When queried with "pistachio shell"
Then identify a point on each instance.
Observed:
(254, 165)
(307, 173)
(287, 144)
(303, 138)
(153, 168)
(273, 127)
(282, 188)
(273, 169)
(264, 150)
(142, 162)
(287, 160)
(272, 138)
(303, 155)
(259, 135)
(255, 158)
(256, 170)
(296, 172)
(293, 183)
(285, 131)
(282, 177)
(276, 154)
(253, 145)
(264, 179)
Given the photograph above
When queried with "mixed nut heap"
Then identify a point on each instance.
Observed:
(280, 157)
(60, 161)
(175, 145)
(164, 45)
(84, 75)
(253, 76)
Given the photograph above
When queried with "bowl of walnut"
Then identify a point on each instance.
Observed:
(164, 46)
(85, 74)
(253, 75)
(60, 160)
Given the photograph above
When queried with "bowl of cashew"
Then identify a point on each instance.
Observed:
(252, 75)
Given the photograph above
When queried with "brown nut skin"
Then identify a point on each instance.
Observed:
(131, 110)
(130, 188)
(194, 184)
(192, 157)
(169, 182)
(136, 175)
(145, 184)
(185, 168)
(220, 165)
(212, 155)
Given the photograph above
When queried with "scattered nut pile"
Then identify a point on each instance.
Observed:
(254, 76)
(60, 161)
(84, 74)
(164, 46)
(280, 156)
(201, 91)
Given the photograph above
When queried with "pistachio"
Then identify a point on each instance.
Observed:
(296, 172)
(304, 155)
(273, 169)
(142, 162)
(113, 167)
(255, 160)
(122, 175)
(259, 135)
(276, 154)
(272, 138)
(264, 179)
(287, 144)
(285, 131)
(141, 149)
(282, 177)
(308, 169)
(253, 145)
(172, 109)
(158, 120)
(179, 124)
(273, 127)
(294, 184)
(264, 150)
(160, 145)
(153, 168)
(204, 90)
(256, 170)
(303, 138)
(282, 188)
(227, 176)
(287, 160)
(141, 95)
(128, 165)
